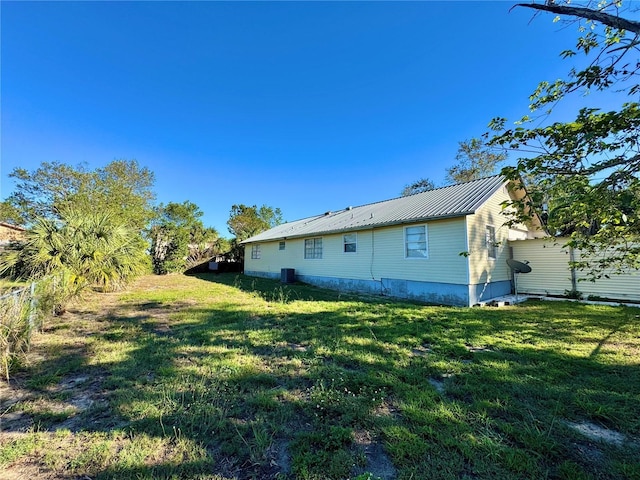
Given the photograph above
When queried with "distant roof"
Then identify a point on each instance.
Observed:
(14, 227)
(446, 202)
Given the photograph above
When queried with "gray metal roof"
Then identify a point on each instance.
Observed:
(446, 202)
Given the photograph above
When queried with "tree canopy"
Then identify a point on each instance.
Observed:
(586, 171)
(245, 222)
(419, 186)
(179, 238)
(122, 187)
(475, 161)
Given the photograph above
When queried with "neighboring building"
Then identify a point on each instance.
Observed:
(10, 233)
(444, 246)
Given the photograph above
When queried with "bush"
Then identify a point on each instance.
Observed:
(17, 320)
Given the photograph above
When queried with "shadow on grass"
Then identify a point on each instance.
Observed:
(301, 394)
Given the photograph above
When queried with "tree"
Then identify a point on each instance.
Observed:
(245, 222)
(419, 186)
(587, 170)
(179, 239)
(76, 251)
(475, 160)
(122, 187)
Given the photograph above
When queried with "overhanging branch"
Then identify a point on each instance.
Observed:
(587, 13)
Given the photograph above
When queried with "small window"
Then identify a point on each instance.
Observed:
(255, 252)
(313, 248)
(350, 242)
(490, 239)
(281, 246)
(415, 242)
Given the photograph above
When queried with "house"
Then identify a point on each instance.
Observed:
(11, 233)
(444, 246)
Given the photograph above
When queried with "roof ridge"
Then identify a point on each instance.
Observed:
(445, 202)
(412, 195)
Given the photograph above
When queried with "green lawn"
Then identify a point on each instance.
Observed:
(228, 377)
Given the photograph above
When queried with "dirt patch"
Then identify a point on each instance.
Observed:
(281, 459)
(422, 350)
(482, 349)
(598, 433)
(438, 385)
(377, 460)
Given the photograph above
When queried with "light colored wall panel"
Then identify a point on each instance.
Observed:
(380, 254)
(550, 274)
(483, 269)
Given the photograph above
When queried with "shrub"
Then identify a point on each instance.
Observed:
(17, 320)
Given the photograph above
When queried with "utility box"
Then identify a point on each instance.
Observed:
(213, 266)
(287, 275)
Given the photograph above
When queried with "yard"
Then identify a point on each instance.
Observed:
(228, 377)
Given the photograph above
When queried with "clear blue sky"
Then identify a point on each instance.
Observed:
(306, 106)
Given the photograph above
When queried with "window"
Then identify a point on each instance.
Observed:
(490, 239)
(350, 242)
(281, 246)
(415, 242)
(313, 248)
(255, 252)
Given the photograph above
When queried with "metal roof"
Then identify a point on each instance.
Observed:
(446, 202)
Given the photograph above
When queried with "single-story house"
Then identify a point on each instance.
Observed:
(11, 233)
(443, 246)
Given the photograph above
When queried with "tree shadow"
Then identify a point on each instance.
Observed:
(242, 395)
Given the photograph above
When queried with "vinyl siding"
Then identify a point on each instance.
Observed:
(483, 269)
(620, 287)
(380, 254)
(551, 275)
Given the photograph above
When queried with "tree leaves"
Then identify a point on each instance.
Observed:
(583, 176)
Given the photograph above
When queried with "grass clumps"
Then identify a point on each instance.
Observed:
(231, 377)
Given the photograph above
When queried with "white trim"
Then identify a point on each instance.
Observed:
(350, 243)
(304, 248)
(426, 236)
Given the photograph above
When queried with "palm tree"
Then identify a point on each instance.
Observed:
(79, 251)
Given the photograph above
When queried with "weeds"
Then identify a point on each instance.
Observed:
(228, 377)
(17, 320)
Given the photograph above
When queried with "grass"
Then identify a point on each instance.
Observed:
(224, 376)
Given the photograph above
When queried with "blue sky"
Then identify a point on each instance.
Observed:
(305, 106)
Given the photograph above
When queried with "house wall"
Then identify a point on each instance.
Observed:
(489, 277)
(379, 265)
(9, 233)
(551, 275)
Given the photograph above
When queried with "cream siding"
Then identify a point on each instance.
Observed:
(483, 269)
(380, 254)
(621, 287)
(551, 274)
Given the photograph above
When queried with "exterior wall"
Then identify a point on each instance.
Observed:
(551, 275)
(379, 264)
(489, 277)
(9, 233)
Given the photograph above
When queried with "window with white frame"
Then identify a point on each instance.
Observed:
(313, 248)
(415, 242)
(350, 243)
(490, 239)
(255, 251)
(281, 245)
